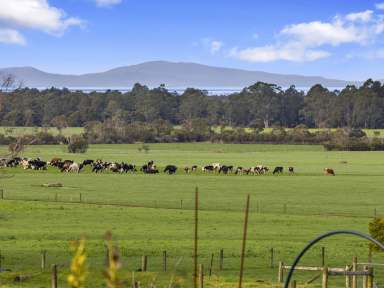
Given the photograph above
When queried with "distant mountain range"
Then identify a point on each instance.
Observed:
(169, 73)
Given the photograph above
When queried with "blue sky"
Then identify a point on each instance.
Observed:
(340, 38)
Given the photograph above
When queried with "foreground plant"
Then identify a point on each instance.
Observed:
(113, 263)
(78, 267)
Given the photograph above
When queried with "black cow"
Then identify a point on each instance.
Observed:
(128, 168)
(88, 162)
(98, 167)
(291, 170)
(37, 164)
(208, 168)
(194, 168)
(278, 170)
(225, 169)
(170, 169)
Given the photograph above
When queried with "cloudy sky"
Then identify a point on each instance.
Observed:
(333, 38)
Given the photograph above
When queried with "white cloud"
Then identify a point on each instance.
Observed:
(36, 14)
(283, 52)
(216, 46)
(380, 6)
(105, 3)
(364, 16)
(306, 41)
(11, 36)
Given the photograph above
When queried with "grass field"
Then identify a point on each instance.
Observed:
(145, 216)
(17, 131)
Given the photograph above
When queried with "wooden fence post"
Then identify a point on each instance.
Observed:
(347, 277)
(181, 204)
(201, 276)
(221, 259)
(280, 275)
(144, 263)
(322, 256)
(293, 284)
(245, 229)
(165, 261)
(196, 237)
(365, 277)
(272, 258)
(43, 259)
(54, 276)
(2, 194)
(354, 268)
(80, 197)
(211, 265)
(324, 283)
(370, 277)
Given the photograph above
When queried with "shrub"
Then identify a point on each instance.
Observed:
(77, 144)
(376, 230)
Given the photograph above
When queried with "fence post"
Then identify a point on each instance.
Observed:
(211, 265)
(43, 259)
(201, 276)
(347, 277)
(370, 277)
(354, 268)
(144, 263)
(324, 283)
(322, 256)
(80, 197)
(195, 248)
(272, 258)
(293, 284)
(2, 194)
(245, 230)
(365, 277)
(280, 275)
(54, 276)
(1, 260)
(165, 261)
(221, 260)
(181, 204)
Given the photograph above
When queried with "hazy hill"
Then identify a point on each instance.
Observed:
(169, 73)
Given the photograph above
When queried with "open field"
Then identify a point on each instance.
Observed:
(17, 131)
(145, 215)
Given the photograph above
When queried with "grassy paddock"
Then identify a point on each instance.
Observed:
(145, 216)
(17, 131)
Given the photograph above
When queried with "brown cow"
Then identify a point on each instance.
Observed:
(329, 171)
(54, 162)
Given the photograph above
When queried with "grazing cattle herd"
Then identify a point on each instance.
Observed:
(98, 166)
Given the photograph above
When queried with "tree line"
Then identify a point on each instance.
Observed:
(261, 105)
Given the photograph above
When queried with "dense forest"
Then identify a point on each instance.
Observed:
(260, 105)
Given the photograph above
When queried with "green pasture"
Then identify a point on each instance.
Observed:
(151, 213)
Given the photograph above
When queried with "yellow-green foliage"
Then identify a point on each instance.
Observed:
(113, 264)
(376, 229)
(78, 265)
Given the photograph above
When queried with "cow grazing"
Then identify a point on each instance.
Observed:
(55, 162)
(128, 168)
(208, 168)
(194, 168)
(216, 166)
(225, 169)
(278, 170)
(88, 162)
(239, 170)
(74, 167)
(170, 169)
(291, 170)
(329, 171)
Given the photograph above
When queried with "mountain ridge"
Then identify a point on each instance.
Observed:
(173, 74)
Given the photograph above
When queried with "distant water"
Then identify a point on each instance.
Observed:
(179, 90)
